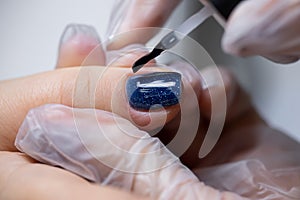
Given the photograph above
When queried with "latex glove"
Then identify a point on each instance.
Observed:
(109, 150)
(129, 15)
(268, 28)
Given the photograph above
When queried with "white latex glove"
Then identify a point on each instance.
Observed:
(109, 150)
(269, 28)
(129, 17)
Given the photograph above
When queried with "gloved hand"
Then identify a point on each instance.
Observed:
(109, 150)
(267, 28)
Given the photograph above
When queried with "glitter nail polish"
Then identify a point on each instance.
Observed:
(153, 90)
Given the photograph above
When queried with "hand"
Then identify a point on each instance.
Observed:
(239, 111)
(267, 28)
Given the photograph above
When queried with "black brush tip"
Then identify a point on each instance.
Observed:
(137, 66)
(145, 59)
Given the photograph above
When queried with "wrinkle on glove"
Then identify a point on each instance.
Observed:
(269, 28)
(252, 179)
(107, 149)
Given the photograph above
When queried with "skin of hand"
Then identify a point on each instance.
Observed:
(20, 95)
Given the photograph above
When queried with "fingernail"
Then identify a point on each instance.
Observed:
(153, 90)
(74, 30)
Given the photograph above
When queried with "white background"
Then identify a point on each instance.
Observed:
(30, 32)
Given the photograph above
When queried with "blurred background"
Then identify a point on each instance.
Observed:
(31, 29)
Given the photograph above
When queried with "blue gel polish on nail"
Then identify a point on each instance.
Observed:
(154, 89)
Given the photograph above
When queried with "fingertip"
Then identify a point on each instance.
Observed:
(242, 31)
(153, 98)
(235, 46)
(109, 93)
(80, 45)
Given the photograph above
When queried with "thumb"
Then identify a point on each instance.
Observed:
(108, 149)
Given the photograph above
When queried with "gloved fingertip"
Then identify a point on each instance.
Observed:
(73, 30)
(241, 34)
(235, 47)
(76, 44)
